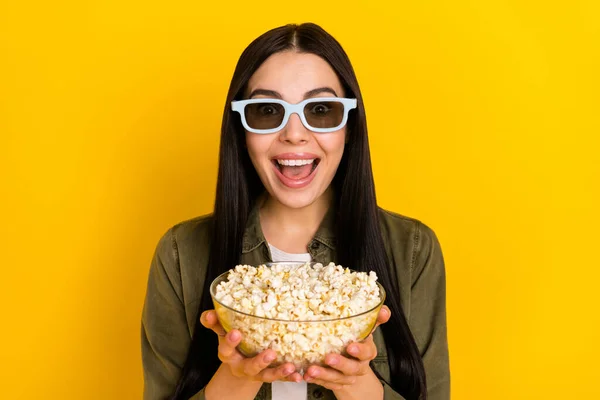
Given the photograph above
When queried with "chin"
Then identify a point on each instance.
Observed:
(297, 199)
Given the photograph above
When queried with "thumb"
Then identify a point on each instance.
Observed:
(383, 316)
(209, 320)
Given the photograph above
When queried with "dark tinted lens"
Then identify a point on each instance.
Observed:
(324, 114)
(264, 115)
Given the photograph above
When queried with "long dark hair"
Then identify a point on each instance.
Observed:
(359, 239)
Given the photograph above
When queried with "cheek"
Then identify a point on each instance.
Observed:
(257, 146)
(333, 146)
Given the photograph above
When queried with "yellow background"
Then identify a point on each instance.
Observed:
(483, 118)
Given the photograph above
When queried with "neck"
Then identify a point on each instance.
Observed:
(291, 229)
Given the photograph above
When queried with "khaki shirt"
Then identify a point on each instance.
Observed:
(177, 276)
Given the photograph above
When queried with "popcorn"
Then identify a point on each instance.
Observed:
(304, 309)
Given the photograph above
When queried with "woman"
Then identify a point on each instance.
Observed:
(295, 181)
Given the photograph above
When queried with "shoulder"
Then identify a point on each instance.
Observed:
(404, 226)
(189, 231)
(185, 240)
(182, 258)
(406, 234)
(390, 219)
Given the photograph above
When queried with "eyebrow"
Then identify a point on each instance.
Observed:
(277, 95)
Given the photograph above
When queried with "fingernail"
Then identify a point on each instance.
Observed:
(332, 361)
(269, 357)
(234, 336)
(353, 349)
(314, 373)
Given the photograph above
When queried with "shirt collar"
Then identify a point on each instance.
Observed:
(253, 235)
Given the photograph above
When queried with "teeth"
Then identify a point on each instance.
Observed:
(295, 163)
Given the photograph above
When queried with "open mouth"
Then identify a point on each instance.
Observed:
(296, 170)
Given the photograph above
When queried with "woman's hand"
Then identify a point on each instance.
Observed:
(255, 368)
(348, 377)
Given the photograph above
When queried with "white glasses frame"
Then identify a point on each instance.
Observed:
(290, 109)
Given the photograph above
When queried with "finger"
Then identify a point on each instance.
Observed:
(294, 377)
(227, 346)
(364, 351)
(327, 384)
(252, 366)
(346, 366)
(383, 316)
(314, 373)
(209, 320)
(270, 375)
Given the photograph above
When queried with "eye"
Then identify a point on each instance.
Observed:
(320, 109)
(267, 110)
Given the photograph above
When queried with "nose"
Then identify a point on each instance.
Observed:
(294, 132)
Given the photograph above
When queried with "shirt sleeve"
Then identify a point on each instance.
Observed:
(427, 315)
(165, 334)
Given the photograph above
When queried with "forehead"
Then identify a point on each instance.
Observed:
(292, 74)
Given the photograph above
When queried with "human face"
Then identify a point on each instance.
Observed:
(292, 77)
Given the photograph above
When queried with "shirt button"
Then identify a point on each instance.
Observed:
(317, 393)
(314, 245)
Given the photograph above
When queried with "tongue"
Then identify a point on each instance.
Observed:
(296, 172)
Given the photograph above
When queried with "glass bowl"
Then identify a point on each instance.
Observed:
(302, 343)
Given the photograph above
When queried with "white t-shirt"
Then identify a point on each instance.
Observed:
(288, 390)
